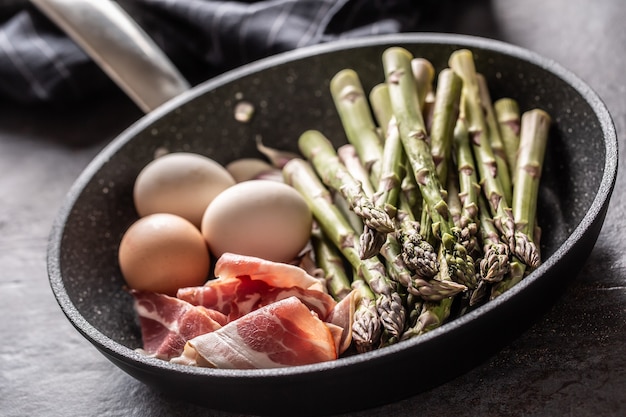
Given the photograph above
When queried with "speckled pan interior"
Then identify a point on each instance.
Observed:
(290, 94)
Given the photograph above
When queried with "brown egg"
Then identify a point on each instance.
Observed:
(163, 252)
(262, 218)
(180, 183)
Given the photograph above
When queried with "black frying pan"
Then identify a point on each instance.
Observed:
(290, 94)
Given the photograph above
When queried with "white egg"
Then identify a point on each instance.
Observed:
(180, 183)
(262, 218)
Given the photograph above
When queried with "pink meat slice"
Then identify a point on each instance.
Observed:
(276, 273)
(342, 317)
(281, 334)
(167, 323)
(245, 284)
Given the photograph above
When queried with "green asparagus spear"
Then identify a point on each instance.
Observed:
(379, 101)
(392, 172)
(370, 239)
(356, 117)
(535, 126)
(330, 261)
(300, 175)
(424, 75)
(405, 105)
(508, 117)
(320, 151)
(433, 313)
(414, 305)
(496, 255)
(427, 289)
(418, 255)
(516, 273)
(445, 114)
(434, 289)
(469, 189)
(404, 102)
(366, 326)
(495, 137)
(519, 243)
(355, 221)
(453, 199)
(472, 111)
(396, 267)
(361, 131)
(422, 259)
(467, 231)
(381, 106)
(480, 294)
(350, 159)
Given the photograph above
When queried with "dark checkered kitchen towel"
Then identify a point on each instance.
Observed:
(38, 63)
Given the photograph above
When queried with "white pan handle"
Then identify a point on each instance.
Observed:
(120, 47)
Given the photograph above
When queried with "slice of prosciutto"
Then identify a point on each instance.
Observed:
(341, 317)
(279, 274)
(284, 333)
(255, 314)
(246, 283)
(167, 323)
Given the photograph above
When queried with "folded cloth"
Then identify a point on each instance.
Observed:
(39, 63)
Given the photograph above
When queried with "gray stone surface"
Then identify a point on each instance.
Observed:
(571, 362)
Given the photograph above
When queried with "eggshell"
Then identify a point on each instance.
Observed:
(245, 169)
(163, 252)
(262, 218)
(180, 183)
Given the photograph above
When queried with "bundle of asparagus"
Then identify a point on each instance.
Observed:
(444, 185)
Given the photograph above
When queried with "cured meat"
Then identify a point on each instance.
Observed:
(167, 323)
(284, 333)
(246, 283)
(342, 317)
(236, 297)
(275, 273)
(256, 314)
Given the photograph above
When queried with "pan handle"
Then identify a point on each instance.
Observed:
(120, 47)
